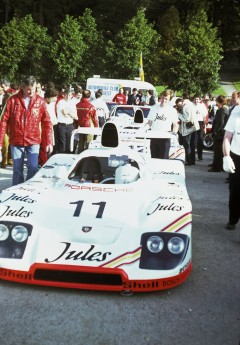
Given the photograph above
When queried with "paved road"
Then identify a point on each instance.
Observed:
(205, 310)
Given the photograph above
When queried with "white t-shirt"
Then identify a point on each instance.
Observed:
(201, 111)
(101, 107)
(162, 117)
(52, 112)
(67, 107)
(233, 126)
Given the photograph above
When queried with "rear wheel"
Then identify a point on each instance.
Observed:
(208, 141)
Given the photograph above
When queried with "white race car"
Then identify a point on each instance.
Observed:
(129, 119)
(109, 218)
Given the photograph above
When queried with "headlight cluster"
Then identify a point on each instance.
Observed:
(13, 239)
(163, 250)
(19, 233)
(175, 245)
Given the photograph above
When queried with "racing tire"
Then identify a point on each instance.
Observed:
(208, 141)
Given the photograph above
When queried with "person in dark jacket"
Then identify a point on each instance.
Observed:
(218, 125)
(27, 119)
(134, 97)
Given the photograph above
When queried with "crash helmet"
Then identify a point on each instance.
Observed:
(126, 174)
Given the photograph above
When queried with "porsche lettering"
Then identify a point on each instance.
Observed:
(98, 189)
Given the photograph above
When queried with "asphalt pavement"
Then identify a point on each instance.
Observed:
(204, 310)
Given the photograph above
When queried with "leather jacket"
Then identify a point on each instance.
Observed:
(87, 114)
(26, 127)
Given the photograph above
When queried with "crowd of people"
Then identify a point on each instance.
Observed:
(38, 121)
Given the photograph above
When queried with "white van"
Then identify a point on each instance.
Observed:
(111, 87)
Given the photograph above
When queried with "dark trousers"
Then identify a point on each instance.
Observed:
(234, 191)
(160, 148)
(200, 134)
(64, 137)
(189, 144)
(217, 154)
(55, 146)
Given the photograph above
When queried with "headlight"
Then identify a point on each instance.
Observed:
(4, 232)
(176, 245)
(19, 233)
(155, 244)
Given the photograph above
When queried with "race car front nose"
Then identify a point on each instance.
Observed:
(163, 251)
(13, 239)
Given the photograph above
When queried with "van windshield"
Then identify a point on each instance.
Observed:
(130, 111)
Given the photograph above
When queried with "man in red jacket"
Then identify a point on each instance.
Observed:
(120, 98)
(87, 117)
(27, 119)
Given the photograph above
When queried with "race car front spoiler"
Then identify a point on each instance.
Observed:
(90, 278)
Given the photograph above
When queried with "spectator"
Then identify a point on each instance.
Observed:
(151, 97)
(50, 96)
(77, 96)
(188, 127)
(6, 152)
(1, 97)
(134, 97)
(28, 121)
(235, 100)
(210, 106)
(202, 115)
(101, 108)
(162, 117)
(66, 114)
(39, 89)
(126, 93)
(218, 125)
(231, 164)
(87, 117)
(120, 98)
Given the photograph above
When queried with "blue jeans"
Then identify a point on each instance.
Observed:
(18, 155)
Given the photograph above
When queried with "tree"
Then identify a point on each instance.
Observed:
(23, 47)
(193, 64)
(93, 55)
(67, 50)
(124, 51)
(169, 27)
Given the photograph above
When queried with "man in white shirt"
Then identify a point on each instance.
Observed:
(66, 113)
(101, 108)
(231, 164)
(202, 113)
(162, 117)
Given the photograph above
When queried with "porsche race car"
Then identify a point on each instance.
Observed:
(110, 219)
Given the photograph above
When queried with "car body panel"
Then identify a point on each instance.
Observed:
(94, 235)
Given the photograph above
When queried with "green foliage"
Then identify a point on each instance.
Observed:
(193, 64)
(94, 47)
(22, 48)
(237, 85)
(68, 49)
(124, 50)
(169, 26)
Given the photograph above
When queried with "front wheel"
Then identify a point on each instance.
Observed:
(208, 141)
